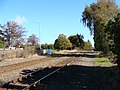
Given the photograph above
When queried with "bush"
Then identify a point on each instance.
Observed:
(18, 53)
(2, 45)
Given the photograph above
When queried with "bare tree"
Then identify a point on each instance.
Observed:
(32, 39)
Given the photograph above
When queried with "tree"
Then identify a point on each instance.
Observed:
(62, 43)
(95, 17)
(32, 39)
(113, 30)
(2, 44)
(77, 41)
(51, 46)
(88, 45)
(12, 33)
(44, 46)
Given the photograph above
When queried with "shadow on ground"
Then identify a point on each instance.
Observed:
(89, 55)
(75, 77)
(81, 78)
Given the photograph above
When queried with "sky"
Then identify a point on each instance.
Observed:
(47, 18)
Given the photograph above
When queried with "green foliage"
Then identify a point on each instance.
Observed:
(113, 30)
(51, 46)
(88, 45)
(95, 17)
(1, 38)
(46, 46)
(62, 43)
(77, 41)
(2, 45)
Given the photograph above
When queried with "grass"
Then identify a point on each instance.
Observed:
(103, 61)
(54, 51)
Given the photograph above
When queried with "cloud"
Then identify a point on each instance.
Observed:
(20, 20)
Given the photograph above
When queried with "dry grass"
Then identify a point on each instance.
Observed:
(10, 54)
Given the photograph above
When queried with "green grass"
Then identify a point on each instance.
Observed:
(103, 61)
(54, 51)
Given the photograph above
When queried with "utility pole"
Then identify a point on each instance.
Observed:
(39, 33)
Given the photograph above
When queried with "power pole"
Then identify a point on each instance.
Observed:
(39, 33)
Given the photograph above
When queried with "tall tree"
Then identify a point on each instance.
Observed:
(44, 46)
(32, 39)
(51, 46)
(77, 41)
(12, 33)
(95, 17)
(88, 45)
(113, 30)
(62, 42)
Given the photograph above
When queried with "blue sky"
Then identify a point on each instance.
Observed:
(55, 17)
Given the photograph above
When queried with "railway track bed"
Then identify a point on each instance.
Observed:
(34, 78)
(28, 81)
(74, 73)
(13, 71)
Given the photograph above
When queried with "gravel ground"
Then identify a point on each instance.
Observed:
(84, 61)
(19, 60)
(82, 74)
(16, 73)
